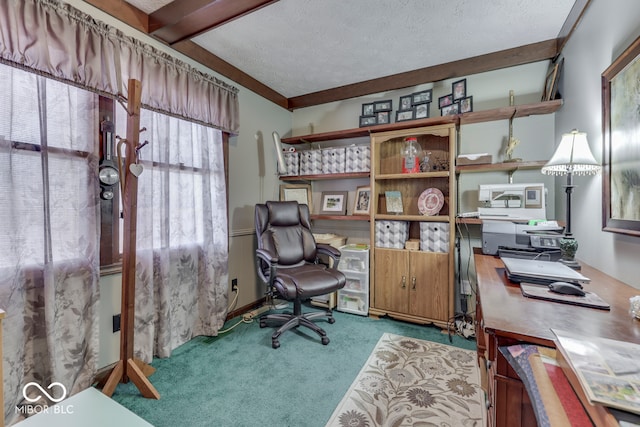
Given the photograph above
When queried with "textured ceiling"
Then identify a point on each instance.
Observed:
(297, 47)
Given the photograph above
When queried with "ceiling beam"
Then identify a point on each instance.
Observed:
(181, 20)
(206, 58)
(478, 64)
(575, 14)
(123, 11)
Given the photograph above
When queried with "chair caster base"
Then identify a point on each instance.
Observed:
(325, 340)
(275, 343)
(331, 320)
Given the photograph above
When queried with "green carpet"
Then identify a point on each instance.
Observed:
(237, 379)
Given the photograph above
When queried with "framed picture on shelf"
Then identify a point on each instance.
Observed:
(393, 201)
(450, 110)
(466, 104)
(421, 110)
(367, 109)
(420, 97)
(383, 117)
(363, 201)
(386, 105)
(367, 121)
(300, 193)
(621, 158)
(444, 101)
(405, 102)
(459, 89)
(334, 203)
(404, 115)
(551, 82)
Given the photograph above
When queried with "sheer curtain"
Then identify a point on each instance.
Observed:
(182, 237)
(49, 264)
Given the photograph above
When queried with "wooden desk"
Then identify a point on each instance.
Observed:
(505, 317)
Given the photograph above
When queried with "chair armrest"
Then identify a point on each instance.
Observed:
(333, 253)
(267, 256)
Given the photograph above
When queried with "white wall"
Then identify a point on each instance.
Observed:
(606, 29)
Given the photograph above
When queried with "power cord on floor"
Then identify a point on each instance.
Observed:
(463, 326)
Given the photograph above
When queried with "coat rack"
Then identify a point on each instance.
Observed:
(128, 367)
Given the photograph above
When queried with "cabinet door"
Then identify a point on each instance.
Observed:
(391, 287)
(429, 285)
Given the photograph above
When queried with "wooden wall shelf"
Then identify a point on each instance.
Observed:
(502, 113)
(341, 217)
(507, 167)
(325, 176)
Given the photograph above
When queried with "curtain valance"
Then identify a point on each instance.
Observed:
(64, 43)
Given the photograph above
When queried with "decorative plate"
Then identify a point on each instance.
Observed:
(430, 201)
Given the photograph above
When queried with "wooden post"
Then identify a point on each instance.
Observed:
(129, 368)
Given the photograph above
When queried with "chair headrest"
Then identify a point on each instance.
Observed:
(283, 213)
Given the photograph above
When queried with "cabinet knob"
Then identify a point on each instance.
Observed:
(404, 282)
(413, 283)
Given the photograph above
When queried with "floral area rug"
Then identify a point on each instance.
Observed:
(411, 382)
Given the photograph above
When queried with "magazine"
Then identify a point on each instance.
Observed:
(608, 370)
(394, 201)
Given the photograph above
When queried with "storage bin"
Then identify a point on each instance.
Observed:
(310, 162)
(358, 158)
(391, 234)
(292, 163)
(434, 236)
(333, 160)
(353, 302)
(356, 281)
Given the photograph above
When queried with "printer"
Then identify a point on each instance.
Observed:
(516, 240)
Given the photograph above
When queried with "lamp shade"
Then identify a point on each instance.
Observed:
(573, 155)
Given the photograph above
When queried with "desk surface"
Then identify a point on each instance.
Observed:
(88, 408)
(509, 314)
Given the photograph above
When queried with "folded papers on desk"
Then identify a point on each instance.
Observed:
(543, 292)
(608, 370)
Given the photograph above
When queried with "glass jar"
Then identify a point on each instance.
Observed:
(411, 154)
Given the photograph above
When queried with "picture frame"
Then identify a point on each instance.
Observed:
(386, 105)
(421, 97)
(393, 200)
(405, 103)
(367, 109)
(459, 89)
(362, 202)
(383, 117)
(466, 104)
(621, 149)
(450, 110)
(333, 203)
(421, 111)
(300, 193)
(551, 81)
(367, 120)
(404, 115)
(445, 101)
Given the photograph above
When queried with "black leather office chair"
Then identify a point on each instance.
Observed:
(287, 261)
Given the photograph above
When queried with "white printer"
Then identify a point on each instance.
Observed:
(507, 238)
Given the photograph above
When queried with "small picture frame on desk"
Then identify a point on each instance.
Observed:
(334, 203)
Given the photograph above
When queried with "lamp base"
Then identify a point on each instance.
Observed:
(568, 248)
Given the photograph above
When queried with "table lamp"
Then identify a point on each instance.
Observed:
(572, 156)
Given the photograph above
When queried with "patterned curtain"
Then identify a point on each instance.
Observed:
(182, 236)
(49, 228)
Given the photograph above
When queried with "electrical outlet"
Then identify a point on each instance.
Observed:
(116, 323)
(234, 285)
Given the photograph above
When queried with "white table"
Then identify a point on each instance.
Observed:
(88, 408)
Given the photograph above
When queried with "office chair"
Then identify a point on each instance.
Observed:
(287, 261)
